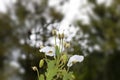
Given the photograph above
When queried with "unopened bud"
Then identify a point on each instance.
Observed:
(67, 45)
(64, 58)
(34, 68)
(59, 36)
(41, 63)
(62, 35)
(54, 32)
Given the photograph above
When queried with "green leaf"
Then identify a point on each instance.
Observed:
(51, 70)
(67, 75)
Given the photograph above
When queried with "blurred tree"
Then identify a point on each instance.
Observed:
(26, 23)
(103, 30)
(22, 20)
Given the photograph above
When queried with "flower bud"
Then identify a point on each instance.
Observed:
(64, 58)
(41, 63)
(67, 45)
(34, 68)
(59, 36)
(54, 32)
(62, 35)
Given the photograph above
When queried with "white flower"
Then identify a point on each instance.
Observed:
(49, 51)
(74, 59)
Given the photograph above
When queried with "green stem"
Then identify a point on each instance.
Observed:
(46, 58)
(38, 74)
(55, 46)
(55, 41)
(61, 66)
(68, 69)
(62, 45)
(59, 46)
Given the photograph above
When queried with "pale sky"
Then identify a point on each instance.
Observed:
(4, 3)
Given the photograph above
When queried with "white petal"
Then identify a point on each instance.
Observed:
(50, 51)
(69, 64)
(75, 58)
(45, 49)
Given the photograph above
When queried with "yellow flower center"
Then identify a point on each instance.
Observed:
(74, 62)
(50, 52)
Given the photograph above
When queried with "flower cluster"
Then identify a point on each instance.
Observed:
(56, 68)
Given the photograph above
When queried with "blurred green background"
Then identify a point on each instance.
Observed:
(18, 53)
